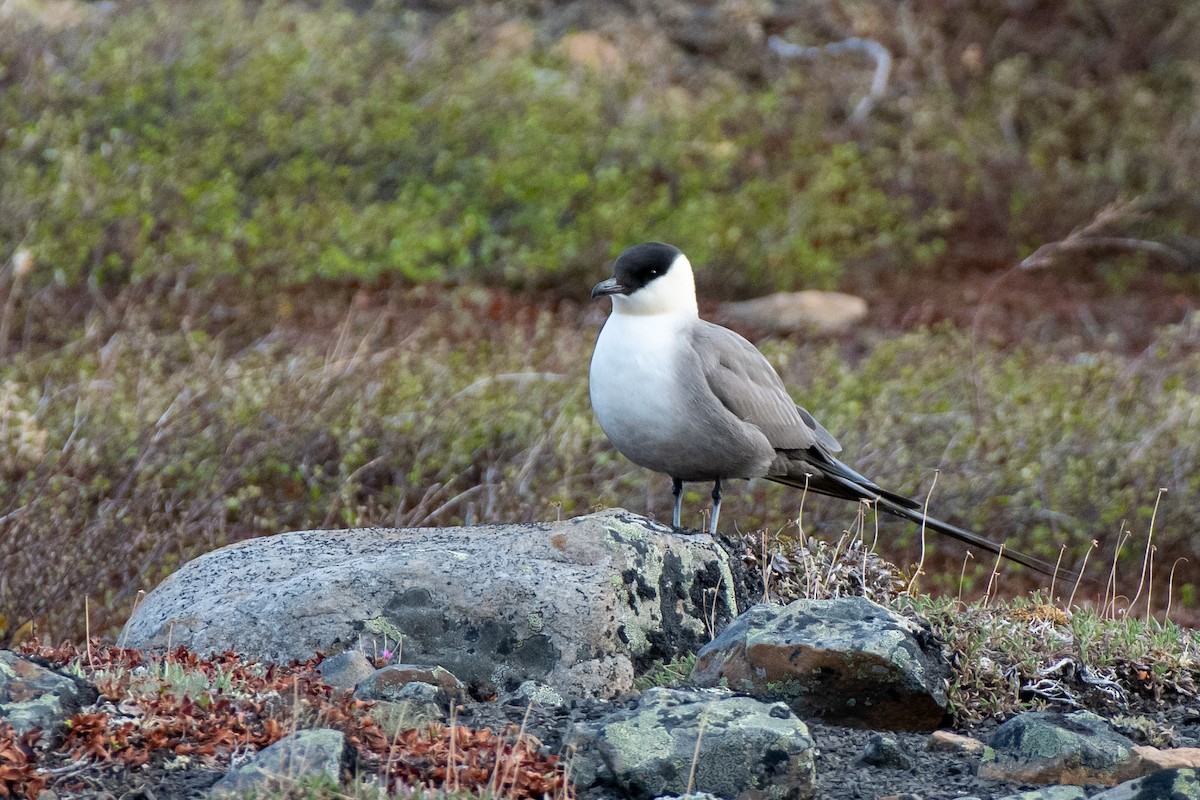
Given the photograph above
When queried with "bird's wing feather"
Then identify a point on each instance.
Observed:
(746, 384)
(824, 437)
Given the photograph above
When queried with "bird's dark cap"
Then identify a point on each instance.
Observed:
(636, 267)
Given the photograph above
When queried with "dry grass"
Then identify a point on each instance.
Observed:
(135, 440)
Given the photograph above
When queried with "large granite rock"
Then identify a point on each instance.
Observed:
(577, 604)
(847, 660)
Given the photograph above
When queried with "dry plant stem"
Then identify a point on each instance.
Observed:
(451, 765)
(1057, 564)
(1171, 589)
(800, 515)
(10, 303)
(457, 499)
(862, 538)
(766, 569)
(1044, 255)
(1093, 235)
(710, 618)
(87, 626)
(875, 539)
(1146, 556)
(691, 784)
(515, 762)
(924, 516)
(1109, 608)
(962, 575)
(987, 596)
(1150, 586)
(1079, 578)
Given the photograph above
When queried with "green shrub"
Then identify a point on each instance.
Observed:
(278, 145)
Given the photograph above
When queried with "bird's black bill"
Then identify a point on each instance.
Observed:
(608, 287)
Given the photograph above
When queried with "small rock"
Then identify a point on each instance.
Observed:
(1175, 758)
(1047, 793)
(413, 705)
(590, 49)
(950, 742)
(303, 754)
(799, 312)
(32, 696)
(848, 661)
(733, 747)
(539, 694)
(1051, 748)
(512, 39)
(393, 716)
(883, 751)
(345, 670)
(905, 796)
(389, 682)
(1167, 784)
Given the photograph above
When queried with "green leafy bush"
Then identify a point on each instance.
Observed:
(278, 145)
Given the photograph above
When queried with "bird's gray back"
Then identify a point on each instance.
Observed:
(744, 382)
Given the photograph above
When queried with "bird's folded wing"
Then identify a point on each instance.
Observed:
(746, 384)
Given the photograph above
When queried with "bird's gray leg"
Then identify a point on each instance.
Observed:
(677, 492)
(716, 496)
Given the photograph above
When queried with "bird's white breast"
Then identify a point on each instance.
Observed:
(634, 382)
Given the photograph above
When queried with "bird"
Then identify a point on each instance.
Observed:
(691, 399)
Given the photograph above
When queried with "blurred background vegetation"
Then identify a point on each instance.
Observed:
(275, 265)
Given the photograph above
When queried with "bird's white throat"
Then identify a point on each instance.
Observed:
(672, 293)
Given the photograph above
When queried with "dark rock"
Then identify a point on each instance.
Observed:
(847, 660)
(884, 751)
(1167, 784)
(345, 670)
(1078, 749)
(32, 696)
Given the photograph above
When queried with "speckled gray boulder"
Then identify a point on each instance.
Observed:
(748, 750)
(1166, 784)
(32, 696)
(313, 753)
(848, 661)
(1078, 749)
(575, 604)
